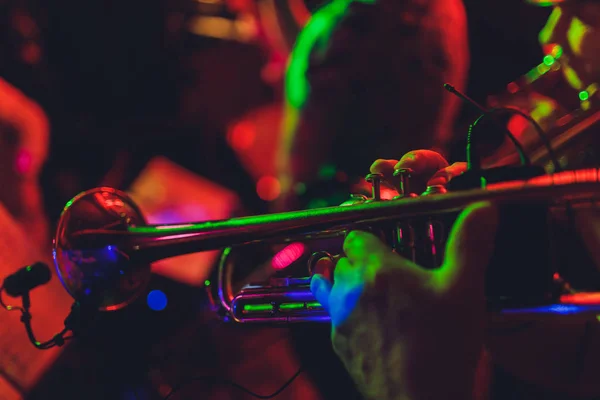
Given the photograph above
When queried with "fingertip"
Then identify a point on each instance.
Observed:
(422, 161)
(360, 243)
(409, 160)
(364, 251)
(385, 167)
(445, 175)
(321, 289)
(317, 281)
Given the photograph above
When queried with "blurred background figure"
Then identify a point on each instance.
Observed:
(24, 143)
(25, 239)
(367, 78)
(181, 104)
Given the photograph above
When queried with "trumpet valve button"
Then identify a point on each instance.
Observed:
(404, 174)
(375, 181)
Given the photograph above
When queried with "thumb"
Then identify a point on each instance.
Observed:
(470, 246)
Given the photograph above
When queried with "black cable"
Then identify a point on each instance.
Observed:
(540, 132)
(511, 110)
(524, 159)
(57, 341)
(211, 379)
(470, 152)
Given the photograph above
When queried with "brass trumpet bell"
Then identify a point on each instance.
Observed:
(104, 275)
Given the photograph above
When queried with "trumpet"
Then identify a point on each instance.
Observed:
(103, 247)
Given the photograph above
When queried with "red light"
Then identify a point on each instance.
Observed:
(341, 176)
(241, 137)
(512, 88)
(268, 188)
(518, 125)
(581, 298)
(23, 162)
(288, 255)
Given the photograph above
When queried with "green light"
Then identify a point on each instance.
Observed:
(483, 182)
(549, 60)
(314, 304)
(313, 37)
(28, 268)
(327, 171)
(300, 188)
(558, 50)
(291, 306)
(317, 203)
(584, 95)
(69, 203)
(531, 75)
(257, 308)
(207, 283)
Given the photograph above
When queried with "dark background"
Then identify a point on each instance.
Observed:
(114, 76)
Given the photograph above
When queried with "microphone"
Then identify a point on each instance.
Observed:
(26, 279)
(465, 98)
(496, 131)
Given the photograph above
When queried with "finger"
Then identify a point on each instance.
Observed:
(443, 176)
(321, 289)
(385, 167)
(469, 249)
(424, 164)
(367, 255)
(363, 248)
(346, 273)
(347, 291)
(325, 266)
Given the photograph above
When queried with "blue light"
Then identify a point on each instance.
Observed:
(560, 309)
(156, 300)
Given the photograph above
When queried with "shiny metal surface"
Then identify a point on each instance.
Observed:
(103, 248)
(104, 275)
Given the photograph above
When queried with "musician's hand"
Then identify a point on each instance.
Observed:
(428, 168)
(406, 332)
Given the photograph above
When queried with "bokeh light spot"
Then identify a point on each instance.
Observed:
(268, 188)
(288, 255)
(300, 188)
(156, 300)
(241, 136)
(23, 162)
